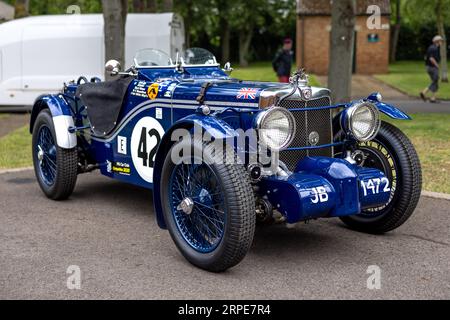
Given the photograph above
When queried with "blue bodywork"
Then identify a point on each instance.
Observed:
(57, 105)
(319, 186)
(324, 187)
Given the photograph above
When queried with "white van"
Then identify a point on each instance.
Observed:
(38, 54)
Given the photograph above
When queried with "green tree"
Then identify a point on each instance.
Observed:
(151, 6)
(252, 16)
(395, 29)
(225, 10)
(200, 18)
(223, 24)
(42, 7)
(226, 22)
(210, 19)
(141, 6)
(436, 11)
(167, 5)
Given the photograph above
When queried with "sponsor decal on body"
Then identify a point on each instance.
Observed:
(122, 168)
(153, 91)
(159, 113)
(140, 90)
(108, 166)
(170, 90)
(122, 145)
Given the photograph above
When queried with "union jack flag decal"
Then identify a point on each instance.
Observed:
(247, 93)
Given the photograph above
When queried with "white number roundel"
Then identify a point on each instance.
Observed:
(145, 140)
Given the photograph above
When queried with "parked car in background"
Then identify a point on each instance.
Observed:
(38, 54)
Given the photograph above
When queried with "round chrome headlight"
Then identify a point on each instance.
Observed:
(362, 121)
(276, 128)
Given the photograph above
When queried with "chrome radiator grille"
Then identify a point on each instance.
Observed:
(319, 121)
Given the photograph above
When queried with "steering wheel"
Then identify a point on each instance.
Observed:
(82, 79)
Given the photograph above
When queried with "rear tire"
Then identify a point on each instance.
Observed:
(56, 169)
(218, 232)
(394, 154)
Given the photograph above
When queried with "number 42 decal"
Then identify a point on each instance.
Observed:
(374, 186)
(145, 140)
(148, 156)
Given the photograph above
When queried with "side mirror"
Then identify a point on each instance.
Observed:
(227, 68)
(113, 67)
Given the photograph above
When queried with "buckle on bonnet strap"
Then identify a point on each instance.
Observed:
(202, 96)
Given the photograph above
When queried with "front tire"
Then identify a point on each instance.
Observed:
(394, 154)
(56, 169)
(209, 207)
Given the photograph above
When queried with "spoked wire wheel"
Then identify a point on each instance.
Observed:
(376, 155)
(198, 206)
(46, 154)
(208, 206)
(392, 153)
(56, 168)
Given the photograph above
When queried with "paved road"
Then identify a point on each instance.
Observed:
(418, 106)
(364, 85)
(108, 229)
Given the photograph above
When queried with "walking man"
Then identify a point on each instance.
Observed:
(282, 64)
(432, 60)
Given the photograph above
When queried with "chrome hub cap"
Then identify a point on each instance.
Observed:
(186, 206)
(40, 155)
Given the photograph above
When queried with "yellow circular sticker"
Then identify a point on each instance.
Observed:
(153, 91)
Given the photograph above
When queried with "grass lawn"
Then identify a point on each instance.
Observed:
(262, 71)
(15, 149)
(411, 78)
(430, 134)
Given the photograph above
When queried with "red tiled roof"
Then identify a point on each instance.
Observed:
(323, 7)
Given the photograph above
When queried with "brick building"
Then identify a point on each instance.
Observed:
(313, 37)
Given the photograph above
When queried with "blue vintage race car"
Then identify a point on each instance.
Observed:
(221, 154)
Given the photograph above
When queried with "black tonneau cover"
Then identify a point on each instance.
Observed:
(104, 102)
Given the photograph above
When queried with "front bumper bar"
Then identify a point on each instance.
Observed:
(326, 187)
